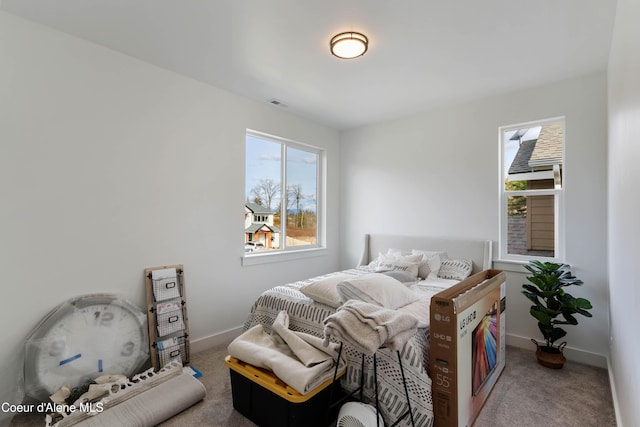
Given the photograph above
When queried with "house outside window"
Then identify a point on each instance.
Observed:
(282, 189)
(531, 191)
(259, 229)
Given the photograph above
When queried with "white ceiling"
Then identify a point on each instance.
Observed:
(422, 53)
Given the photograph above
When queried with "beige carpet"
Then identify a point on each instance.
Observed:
(530, 395)
(526, 395)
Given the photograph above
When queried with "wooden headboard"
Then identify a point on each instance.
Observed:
(478, 251)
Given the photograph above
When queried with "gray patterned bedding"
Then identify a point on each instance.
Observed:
(307, 316)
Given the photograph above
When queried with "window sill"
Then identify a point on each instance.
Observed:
(267, 257)
(515, 266)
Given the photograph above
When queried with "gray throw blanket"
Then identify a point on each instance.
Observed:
(300, 360)
(368, 327)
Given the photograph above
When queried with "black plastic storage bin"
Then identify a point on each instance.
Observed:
(267, 401)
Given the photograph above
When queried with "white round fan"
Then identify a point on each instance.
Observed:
(357, 414)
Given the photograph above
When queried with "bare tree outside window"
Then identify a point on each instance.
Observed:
(265, 192)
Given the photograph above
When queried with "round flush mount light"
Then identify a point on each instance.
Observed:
(349, 45)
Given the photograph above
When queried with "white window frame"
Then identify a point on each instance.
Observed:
(301, 251)
(559, 198)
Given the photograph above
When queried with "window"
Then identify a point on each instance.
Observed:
(282, 188)
(531, 190)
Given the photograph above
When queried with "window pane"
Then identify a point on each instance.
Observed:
(263, 188)
(531, 225)
(281, 194)
(533, 157)
(532, 170)
(302, 172)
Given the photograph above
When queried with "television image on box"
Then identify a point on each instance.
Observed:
(484, 348)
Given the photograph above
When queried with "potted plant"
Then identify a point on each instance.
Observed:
(553, 306)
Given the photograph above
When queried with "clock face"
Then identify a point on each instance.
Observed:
(83, 339)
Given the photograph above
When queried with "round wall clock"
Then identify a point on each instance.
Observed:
(82, 339)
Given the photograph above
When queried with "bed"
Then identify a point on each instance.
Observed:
(307, 314)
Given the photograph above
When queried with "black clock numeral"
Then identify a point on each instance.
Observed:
(127, 349)
(103, 318)
(56, 348)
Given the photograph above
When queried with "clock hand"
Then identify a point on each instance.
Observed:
(70, 359)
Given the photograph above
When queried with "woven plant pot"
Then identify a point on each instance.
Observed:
(550, 357)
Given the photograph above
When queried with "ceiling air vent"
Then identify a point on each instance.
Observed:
(277, 103)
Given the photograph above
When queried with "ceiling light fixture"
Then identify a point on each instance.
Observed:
(349, 45)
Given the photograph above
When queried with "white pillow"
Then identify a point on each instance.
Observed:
(391, 252)
(324, 290)
(407, 264)
(458, 269)
(431, 262)
(397, 252)
(377, 289)
(374, 262)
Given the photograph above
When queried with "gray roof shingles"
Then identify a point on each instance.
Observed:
(258, 225)
(546, 150)
(257, 209)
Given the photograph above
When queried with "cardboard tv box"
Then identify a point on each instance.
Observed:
(467, 352)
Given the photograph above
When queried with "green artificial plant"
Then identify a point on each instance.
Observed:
(552, 305)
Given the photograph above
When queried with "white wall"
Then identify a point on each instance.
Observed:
(109, 165)
(436, 173)
(624, 205)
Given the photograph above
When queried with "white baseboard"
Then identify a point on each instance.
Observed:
(574, 354)
(614, 395)
(215, 340)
